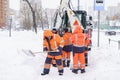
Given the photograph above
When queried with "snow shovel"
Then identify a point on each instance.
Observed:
(28, 52)
(31, 53)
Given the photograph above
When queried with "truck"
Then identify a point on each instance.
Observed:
(65, 16)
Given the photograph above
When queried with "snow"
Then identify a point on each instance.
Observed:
(104, 61)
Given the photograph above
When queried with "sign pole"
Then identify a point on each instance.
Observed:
(98, 27)
(10, 23)
(78, 4)
(99, 5)
(10, 27)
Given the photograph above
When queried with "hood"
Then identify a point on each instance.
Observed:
(77, 29)
(48, 33)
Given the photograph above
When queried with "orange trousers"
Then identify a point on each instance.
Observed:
(58, 58)
(65, 55)
(78, 57)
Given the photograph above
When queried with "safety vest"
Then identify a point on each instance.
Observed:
(67, 38)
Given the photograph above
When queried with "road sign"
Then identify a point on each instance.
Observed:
(99, 4)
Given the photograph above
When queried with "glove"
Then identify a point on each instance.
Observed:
(48, 38)
(60, 49)
(45, 49)
(89, 49)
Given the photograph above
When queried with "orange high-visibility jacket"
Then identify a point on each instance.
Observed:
(78, 38)
(55, 42)
(87, 40)
(89, 32)
(67, 38)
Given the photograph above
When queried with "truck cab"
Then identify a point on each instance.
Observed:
(80, 14)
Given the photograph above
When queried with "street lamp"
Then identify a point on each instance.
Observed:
(78, 4)
(33, 15)
(10, 26)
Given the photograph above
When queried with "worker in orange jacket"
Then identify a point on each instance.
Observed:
(87, 44)
(78, 40)
(53, 44)
(55, 32)
(90, 35)
(67, 47)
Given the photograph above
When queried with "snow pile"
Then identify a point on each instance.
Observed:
(104, 61)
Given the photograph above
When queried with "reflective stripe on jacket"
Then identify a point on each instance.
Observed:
(67, 38)
(78, 38)
(55, 41)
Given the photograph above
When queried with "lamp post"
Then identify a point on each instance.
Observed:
(78, 4)
(10, 26)
(33, 15)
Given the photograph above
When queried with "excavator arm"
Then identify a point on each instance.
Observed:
(66, 17)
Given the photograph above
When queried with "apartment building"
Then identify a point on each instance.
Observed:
(4, 6)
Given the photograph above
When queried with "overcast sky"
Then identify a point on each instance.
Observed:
(14, 4)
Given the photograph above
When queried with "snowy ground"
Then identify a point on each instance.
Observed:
(104, 61)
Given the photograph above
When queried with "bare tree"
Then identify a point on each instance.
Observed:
(33, 15)
(46, 19)
(26, 21)
(117, 16)
(39, 15)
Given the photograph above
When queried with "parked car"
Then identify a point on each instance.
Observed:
(110, 33)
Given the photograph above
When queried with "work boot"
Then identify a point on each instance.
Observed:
(64, 65)
(61, 72)
(54, 65)
(68, 63)
(75, 71)
(86, 59)
(45, 71)
(86, 64)
(82, 70)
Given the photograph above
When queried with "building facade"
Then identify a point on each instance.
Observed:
(4, 7)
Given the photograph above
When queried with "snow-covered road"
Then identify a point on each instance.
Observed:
(104, 61)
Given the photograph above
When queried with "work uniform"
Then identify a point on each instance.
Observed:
(90, 35)
(87, 43)
(67, 47)
(78, 41)
(55, 32)
(54, 44)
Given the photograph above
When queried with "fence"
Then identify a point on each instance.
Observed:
(115, 41)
